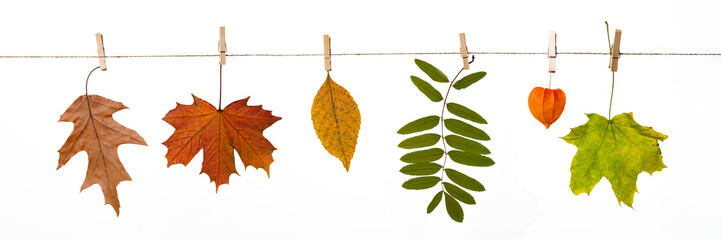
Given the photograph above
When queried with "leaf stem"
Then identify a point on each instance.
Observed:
(220, 95)
(613, 82)
(88, 79)
(443, 111)
(613, 74)
(608, 36)
(550, 76)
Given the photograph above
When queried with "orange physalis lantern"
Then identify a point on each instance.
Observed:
(546, 105)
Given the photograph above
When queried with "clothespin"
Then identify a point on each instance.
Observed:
(101, 51)
(326, 51)
(222, 46)
(615, 51)
(464, 51)
(552, 51)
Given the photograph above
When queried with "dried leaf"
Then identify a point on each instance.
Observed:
(434, 202)
(470, 159)
(468, 80)
(420, 169)
(434, 73)
(453, 208)
(465, 129)
(618, 149)
(464, 180)
(470, 154)
(432, 93)
(420, 125)
(336, 119)
(218, 133)
(422, 156)
(459, 193)
(464, 112)
(466, 144)
(99, 135)
(421, 182)
(425, 140)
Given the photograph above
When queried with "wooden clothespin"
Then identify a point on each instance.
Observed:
(464, 51)
(221, 46)
(101, 51)
(326, 51)
(552, 51)
(615, 51)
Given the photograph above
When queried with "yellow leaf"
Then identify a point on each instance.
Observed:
(336, 120)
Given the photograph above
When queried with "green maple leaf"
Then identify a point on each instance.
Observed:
(619, 150)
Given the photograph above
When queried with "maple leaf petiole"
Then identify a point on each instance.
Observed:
(220, 94)
(613, 74)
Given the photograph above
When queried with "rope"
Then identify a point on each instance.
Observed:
(368, 54)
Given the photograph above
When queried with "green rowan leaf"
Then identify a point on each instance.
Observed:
(468, 80)
(426, 88)
(470, 159)
(464, 180)
(421, 183)
(434, 202)
(618, 149)
(464, 112)
(466, 144)
(419, 169)
(425, 140)
(420, 125)
(454, 209)
(459, 193)
(428, 155)
(468, 151)
(431, 71)
(465, 129)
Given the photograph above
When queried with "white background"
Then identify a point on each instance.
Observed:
(309, 195)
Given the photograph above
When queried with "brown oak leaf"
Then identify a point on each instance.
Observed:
(99, 135)
(218, 132)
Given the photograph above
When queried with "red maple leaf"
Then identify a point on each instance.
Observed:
(218, 132)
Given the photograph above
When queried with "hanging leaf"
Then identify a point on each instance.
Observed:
(468, 80)
(431, 71)
(453, 208)
(99, 135)
(464, 180)
(422, 156)
(459, 193)
(434, 202)
(466, 144)
(218, 133)
(425, 140)
(422, 162)
(420, 125)
(464, 112)
(465, 129)
(618, 150)
(336, 120)
(470, 159)
(426, 88)
(420, 169)
(421, 183)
